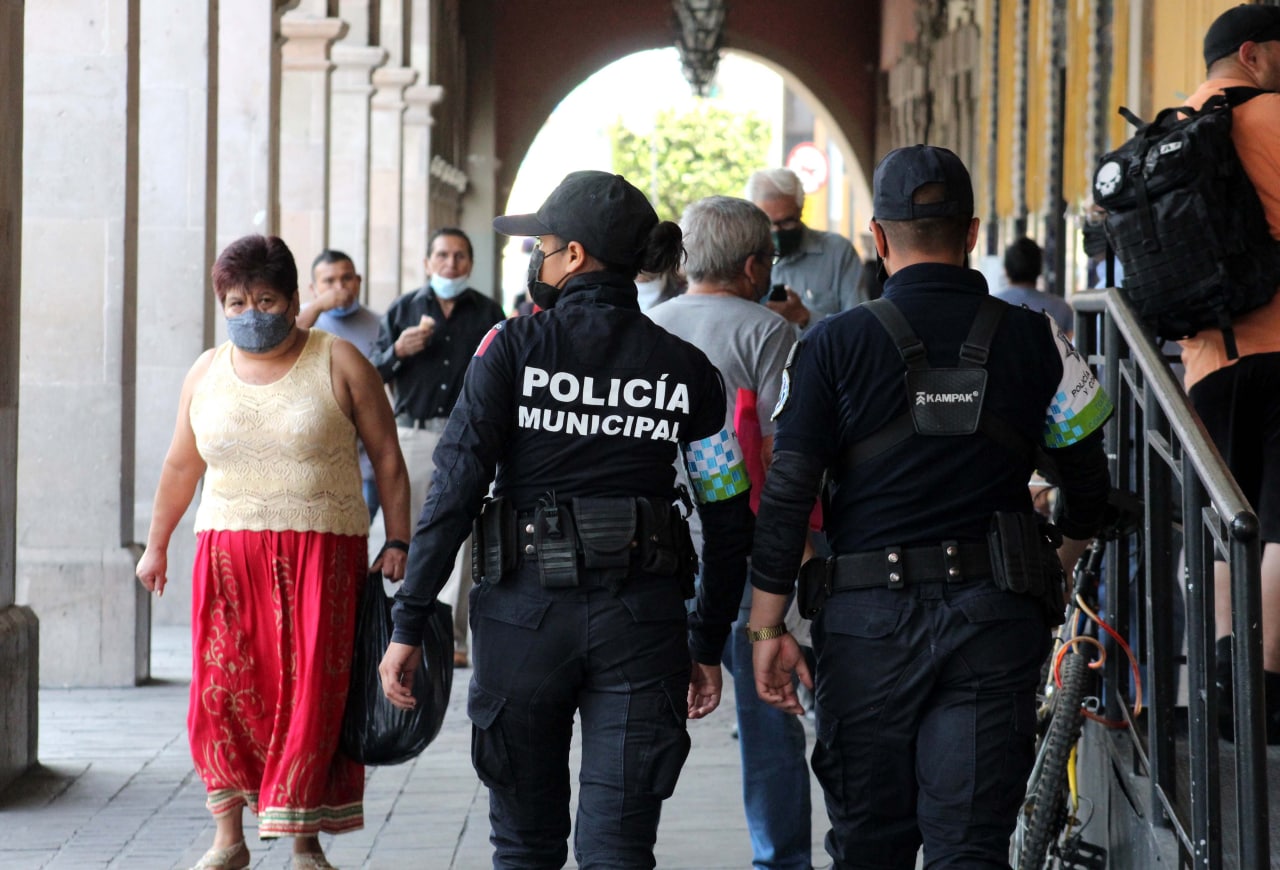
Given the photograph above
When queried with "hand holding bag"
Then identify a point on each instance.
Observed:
(373, 731)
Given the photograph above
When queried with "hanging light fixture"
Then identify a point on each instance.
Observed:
(699, 35)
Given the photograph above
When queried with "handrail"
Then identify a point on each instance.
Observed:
(1156, 440)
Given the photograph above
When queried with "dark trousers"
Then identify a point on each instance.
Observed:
(926, 722)
(620, 662)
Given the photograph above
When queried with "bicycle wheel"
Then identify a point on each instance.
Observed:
(1044, 812)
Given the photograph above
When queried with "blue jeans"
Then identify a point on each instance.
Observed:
(775, 775)
(370, 489)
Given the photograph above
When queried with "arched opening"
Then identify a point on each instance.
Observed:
(643, 99)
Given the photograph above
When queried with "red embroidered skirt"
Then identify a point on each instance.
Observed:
(273, 624)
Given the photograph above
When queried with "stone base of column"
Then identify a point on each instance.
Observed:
(19, 681)
(95, 617)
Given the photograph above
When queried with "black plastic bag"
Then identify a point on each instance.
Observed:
(373, 730)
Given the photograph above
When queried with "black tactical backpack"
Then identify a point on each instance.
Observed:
(1185, 221)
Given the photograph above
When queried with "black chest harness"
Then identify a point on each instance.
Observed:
(940, 401)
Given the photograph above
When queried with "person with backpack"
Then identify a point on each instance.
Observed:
(1239, 399)
(925, 410)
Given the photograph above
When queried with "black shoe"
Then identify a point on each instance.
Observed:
(1222, 671)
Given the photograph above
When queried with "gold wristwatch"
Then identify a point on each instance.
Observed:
(766, 633)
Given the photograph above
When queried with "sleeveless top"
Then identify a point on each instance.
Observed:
(280, 456)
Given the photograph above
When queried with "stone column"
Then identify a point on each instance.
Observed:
(386, 184)
(19, 630)
(304, 134)
(349, 149)
(248, 126)
(77, 390)
(176, 220)
(417, 180)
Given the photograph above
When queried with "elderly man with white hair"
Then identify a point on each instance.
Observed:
(819, 269)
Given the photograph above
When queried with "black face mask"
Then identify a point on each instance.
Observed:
(882, 274)
(1094, 241)
(544, 295)
(787, 242)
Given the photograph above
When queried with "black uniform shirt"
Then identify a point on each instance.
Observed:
(427, 384)
(845, 382)
(589, 398)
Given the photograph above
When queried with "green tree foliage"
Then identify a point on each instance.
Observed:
(701, 153)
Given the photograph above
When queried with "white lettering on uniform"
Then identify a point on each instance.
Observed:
(564, 387)
(630, 391)
(530, 418)
(588, 392)
(679, 399)
(534, 378)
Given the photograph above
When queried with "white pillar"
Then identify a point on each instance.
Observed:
(77, 390)
(19, 630)
(349, 149)
(304, 133)
(248, 126)
(386, 184)
(417, 180)
(176, 222)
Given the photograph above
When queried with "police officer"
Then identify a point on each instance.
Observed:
(929, 636)
(586, 563)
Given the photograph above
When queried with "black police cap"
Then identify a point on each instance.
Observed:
(603, 212)
(903, 171)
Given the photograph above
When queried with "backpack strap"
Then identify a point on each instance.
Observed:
(1241, 94)
(973, 354)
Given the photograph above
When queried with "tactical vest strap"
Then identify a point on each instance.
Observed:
(973, 354)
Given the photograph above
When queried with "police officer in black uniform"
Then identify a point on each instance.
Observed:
(585, 560)
(931, 617)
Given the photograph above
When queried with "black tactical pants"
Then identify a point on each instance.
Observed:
(926, 722)
(621, 663)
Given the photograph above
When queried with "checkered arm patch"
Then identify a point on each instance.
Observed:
(1080, 406)
(716, 467)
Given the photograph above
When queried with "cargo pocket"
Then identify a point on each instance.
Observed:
(828, 761)
(488, 744)
(662, 744)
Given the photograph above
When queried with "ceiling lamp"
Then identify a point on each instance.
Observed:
(699, 34)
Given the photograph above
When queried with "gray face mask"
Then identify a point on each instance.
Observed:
(258, 331)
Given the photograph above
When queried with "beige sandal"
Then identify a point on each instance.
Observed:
(311, 861)
(234, 857)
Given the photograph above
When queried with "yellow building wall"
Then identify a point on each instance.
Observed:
(1004, 130)
(1037, 104)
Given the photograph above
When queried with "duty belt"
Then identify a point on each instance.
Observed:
(896, 567)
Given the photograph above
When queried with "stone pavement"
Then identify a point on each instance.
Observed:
(116, 789)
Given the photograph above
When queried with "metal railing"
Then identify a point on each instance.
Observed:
(1160, 449)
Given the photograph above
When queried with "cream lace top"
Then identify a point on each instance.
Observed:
(280, 456)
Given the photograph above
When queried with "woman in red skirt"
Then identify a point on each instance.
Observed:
(270, 420)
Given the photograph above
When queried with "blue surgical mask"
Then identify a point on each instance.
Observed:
(345, 310)
(448, 288)
(258, 331)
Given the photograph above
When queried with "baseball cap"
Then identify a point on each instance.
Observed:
(605, 213)
(1238, 25)
(903, 171)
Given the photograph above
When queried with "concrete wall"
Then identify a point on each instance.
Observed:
(19, 630)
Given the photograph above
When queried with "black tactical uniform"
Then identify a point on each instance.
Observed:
(926, 668)
(581, 410)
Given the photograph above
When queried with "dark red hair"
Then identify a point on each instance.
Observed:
(255, 260)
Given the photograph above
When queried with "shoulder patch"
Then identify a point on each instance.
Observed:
(784, 391)
(488, 337)
(1080, 406)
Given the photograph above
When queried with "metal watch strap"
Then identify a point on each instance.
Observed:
(767, 633)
